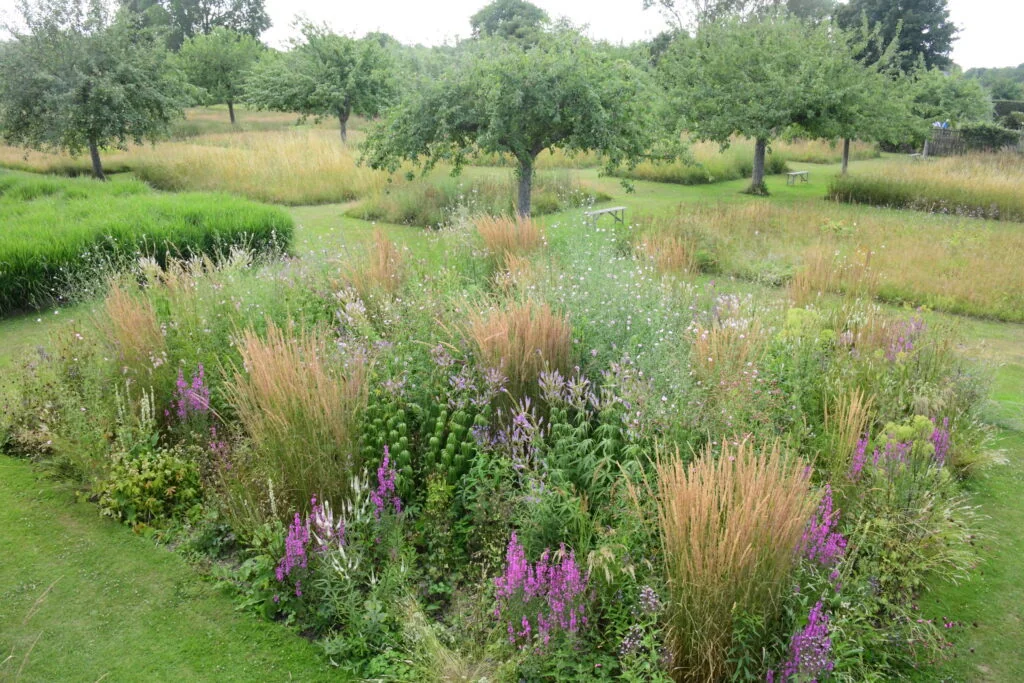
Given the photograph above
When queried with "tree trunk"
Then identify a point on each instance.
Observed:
(846, 155)
(231, 111)
(343, 120)
(97, 165)
(525, 187)
(757, 185)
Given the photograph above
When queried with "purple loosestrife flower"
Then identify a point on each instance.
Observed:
(191, 398)
(940, 439)
(810, 650)
(540, 599)
(857, 463)
(385, 494)
(820, 541)
(294, 550)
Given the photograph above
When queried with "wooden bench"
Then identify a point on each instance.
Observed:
(617, 212)
(791, 177)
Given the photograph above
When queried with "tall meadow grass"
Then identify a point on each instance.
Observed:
(979, 185)
(730, 523)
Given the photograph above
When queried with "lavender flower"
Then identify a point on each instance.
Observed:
(810, 650)
(940, 439)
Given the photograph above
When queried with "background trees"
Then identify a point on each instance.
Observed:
(501, 97)
(512, 19)
(325, 75)
(921, 29)
(76, 80)
(184, 19)
(218, 62)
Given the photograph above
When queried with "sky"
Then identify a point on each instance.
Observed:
(990, 29)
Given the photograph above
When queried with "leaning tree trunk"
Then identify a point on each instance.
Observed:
(525, 187)
(231, 111)
(757, 185)
(97, 165)
(846, 155)
(343, 120)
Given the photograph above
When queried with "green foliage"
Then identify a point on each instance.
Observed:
(186, 19)
(324, 75)
(77, 80)
(988, 137)
(151, 487)
(218, 62)
(513, 19)
(64, 233)
(499, 97)
(921, 29)
(951, 98)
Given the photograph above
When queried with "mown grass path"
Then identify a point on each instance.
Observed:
(85, 599)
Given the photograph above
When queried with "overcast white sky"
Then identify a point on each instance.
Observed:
(990, 29)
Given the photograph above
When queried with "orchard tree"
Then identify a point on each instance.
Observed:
(949, 97)
(73, 79)
(502, 97)
(218, 62)
(512, 19)
(753, 78)
(921, 29)
(325, 75)
(858, 99)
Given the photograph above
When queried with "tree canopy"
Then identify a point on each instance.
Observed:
(218, 62)
(76, 80)
(502, 97)
(921, 28)
(512, 19)
(325, 75)
(949, 97)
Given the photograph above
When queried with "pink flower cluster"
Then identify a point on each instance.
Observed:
(385, 494)
(821, 542)
(809, 651)
(940, 439)
(547, 596)
(191, 398)
(295, 555)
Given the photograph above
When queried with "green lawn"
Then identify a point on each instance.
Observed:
(84, 599)
(121, 608)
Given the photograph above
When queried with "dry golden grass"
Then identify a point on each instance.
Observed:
(723, 352)
(505, 236)
(382, 271)
(287, 167)
(846, 421)
(730, 523)
(298, 401)
(130, 326)
(959, 265)
(669, 253)
(522, 340)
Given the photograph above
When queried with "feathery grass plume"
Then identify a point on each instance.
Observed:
(730, 523)
(846, 422)
(506, 236)
(813, 279)
(522, 339)
(382, 271)
(298, 399)
(129, 324)
(669, 253)
(722, 351)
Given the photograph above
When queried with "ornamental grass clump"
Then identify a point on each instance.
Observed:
(129, 324)
(383, 271)
(521, 340)
(297, 398)
(505, 236)
(730, 523)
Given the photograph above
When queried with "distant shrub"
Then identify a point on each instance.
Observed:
(433, 200)
(60, 232)
(988, 136)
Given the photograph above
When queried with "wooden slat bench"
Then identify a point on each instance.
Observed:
(791, 177)
(617, 212)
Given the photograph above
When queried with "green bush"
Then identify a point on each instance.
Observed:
(60, 232)
(1004, 107)
(988, 136)
(151, 487)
